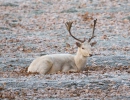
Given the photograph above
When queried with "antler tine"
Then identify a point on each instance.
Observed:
(93, 31)
(68, 26)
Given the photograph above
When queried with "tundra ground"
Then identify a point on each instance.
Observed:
(32, 28)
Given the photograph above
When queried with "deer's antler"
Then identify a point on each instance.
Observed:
(93, 31)
(68, 26)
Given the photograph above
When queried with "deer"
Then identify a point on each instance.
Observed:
(53, 63)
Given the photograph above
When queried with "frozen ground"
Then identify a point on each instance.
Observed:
(31, 28)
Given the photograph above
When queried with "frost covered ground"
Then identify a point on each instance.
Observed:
(31, 28)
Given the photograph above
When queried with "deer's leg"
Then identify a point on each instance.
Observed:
(65, 68)
(73, 70)
(68, 69)
(45, 67)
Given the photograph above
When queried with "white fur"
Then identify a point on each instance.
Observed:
(62, 62)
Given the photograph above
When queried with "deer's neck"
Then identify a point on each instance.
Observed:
(80, 60)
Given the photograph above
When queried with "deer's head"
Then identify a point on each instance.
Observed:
(83, 45)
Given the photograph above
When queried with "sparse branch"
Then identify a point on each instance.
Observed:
(93, 31)
(68, 26)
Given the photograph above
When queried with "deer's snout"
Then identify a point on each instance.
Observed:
(90, 55)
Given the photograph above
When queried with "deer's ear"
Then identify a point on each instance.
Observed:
(78, 44)
(93, 43)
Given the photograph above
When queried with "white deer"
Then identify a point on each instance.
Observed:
(53, 63)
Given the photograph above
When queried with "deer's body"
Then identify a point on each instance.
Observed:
(60, 62)
(64, 62)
